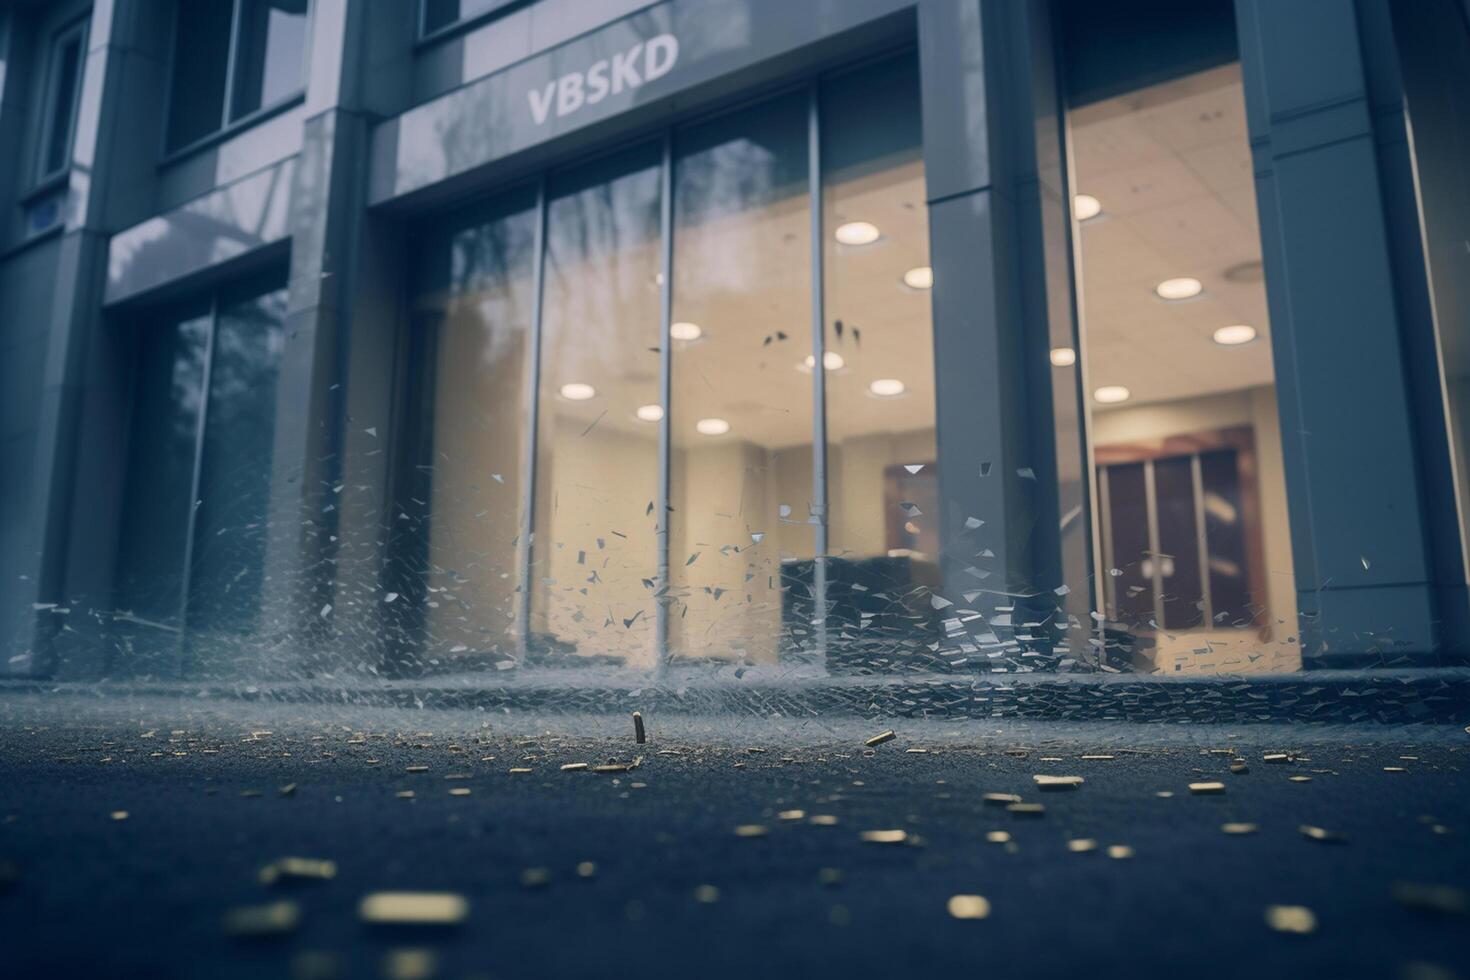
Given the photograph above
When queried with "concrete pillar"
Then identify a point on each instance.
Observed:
(1364, 570)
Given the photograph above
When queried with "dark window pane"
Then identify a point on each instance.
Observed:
(1128, 524)
(439, 14)
(1225, 534)
(270, 55)
(201, 53)
(1178, 556)
(235, 469)
(63, 103)
(168, 393)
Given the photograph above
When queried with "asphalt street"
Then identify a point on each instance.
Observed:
(134, 833)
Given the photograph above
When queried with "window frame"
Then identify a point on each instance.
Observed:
(78, 29)
(423, 35)
(228, 127)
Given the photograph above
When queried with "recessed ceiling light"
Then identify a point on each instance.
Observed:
(650, 413)
(1185, 287)
(576, 391)
(1063, 356)
(1111, 394)
(887, 387)
(1235, 335)
(919, 277)
(831, 360)
(857, 233)
(685, 331)
(1086, 206)
(712, 427)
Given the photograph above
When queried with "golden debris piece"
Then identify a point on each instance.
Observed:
(458, 775)
(1081, 845)
(517, 770)
(822, 820)
(416, 769)
(614, 767)
(1239, 767)
(916, 751)
(1299, 779)
(1441, 899)
(1276, 757)
(998, 837)
(1119, 852)
(1102, 757)
(639, 735)
(1239, 829)
(791, 815)
(1296, 919)
(271, 919)
(119, 814)
(1207, 789)
(969, 907)
(413, 908)
(752, 830)
(880, 738)
(1055, 783)
(1394, 769)
(459, 791)
(586, 869)
(829, 876)
(410, 964)
(706, 894)
(1165, 794)
(885, 836)
(404, 794)
(307, 869)
(1026, 809)
(1320, 834)
(1051, 758)
(574, 767)
(535, 877)
(288, 790)
(1000, 799)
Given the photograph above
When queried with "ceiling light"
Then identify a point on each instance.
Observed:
(1235, 335)
(1063, 356)
(712, 427)
(919, 277)
(857, 233)
(649, 413)
(1185, 287)
(576, 391)
(887, 387)
(1111, 394)
(1086, 206)
(831, 360)
(685, 331)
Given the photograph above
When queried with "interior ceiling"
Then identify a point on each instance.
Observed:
(1171, 167)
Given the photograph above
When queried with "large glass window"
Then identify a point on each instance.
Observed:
(439, 15)
(1194, 559)
(233, 58)
(662, 301)
(63, 89)
(594, 552)
(464, 490)
(192, 547)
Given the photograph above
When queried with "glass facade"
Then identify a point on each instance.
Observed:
(671, 339)
(1193, 540)
(192, 550)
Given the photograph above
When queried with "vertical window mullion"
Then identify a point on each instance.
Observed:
(1109, 597)
(1151, 501)
(185, 579)
(1207, 605)
(665, 397)
(819, 370)
(533, 411)
(231, 66)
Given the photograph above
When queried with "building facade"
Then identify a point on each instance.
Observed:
(866, 337)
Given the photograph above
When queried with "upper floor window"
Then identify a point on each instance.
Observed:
(63, 86)
(441, 14)
(233, 58)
